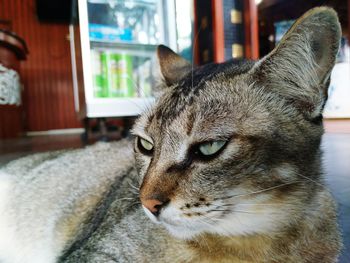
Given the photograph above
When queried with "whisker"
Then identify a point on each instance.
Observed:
(258, 192)
(212, 218)
(311, 180)
(126, 198)
(212, 221)
(223, 227)
(133, 186)
(260, 204)
(133, 204)
(231, 211)
(218, 210)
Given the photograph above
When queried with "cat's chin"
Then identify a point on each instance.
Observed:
(181, 232)
(174, 227)
(182, 227)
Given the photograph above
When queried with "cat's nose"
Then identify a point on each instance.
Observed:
(153, 205)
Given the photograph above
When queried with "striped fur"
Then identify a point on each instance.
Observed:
(260, 198)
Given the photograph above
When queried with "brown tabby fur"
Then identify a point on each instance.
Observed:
(259, 198)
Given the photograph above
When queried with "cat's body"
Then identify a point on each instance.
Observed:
(122, 232)
(62, 202)
(227, 163)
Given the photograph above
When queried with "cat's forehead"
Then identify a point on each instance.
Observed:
(212, 104)
(196, 79)
(207, 89)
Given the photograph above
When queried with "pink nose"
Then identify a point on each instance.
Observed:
(153, 205)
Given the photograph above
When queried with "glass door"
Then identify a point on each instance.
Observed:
(119, 39)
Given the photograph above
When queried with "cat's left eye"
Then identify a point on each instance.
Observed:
(144, 146)
(211, 148)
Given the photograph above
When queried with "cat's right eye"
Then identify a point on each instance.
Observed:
(209, 150)
(144, 146)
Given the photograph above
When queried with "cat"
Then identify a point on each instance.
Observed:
(225, 167)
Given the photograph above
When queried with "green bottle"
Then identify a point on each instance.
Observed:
(105, 74)
(125, 76)
(97, 79)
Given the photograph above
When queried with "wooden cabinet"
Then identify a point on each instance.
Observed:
(12, 50)
(225, 30)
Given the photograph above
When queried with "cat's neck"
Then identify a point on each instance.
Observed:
(214, 248)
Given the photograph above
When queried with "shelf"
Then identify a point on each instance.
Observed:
(115, 107)
(138, 2)
(132, 48)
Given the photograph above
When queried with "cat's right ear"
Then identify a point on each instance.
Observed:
(172, 66)
(299, 67)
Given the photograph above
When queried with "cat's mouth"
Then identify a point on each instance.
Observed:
(186, 224)
(164, 217)
(179, 224)
(154, 218)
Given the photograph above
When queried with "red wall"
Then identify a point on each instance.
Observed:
(46, 74)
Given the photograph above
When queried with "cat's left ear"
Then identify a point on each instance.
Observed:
(172, 66)
(299, 67)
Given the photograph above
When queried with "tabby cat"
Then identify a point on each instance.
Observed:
(227, 166)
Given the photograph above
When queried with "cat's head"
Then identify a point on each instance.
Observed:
(233, 148)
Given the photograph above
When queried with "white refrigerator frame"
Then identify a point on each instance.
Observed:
(114, 107)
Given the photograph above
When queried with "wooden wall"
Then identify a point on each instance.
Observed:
(46, 75)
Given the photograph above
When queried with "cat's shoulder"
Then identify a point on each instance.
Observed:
(44, 198)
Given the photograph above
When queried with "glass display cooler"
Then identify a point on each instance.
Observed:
(113, 53)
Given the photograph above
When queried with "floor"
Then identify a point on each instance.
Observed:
(336, 147)
(336, 156)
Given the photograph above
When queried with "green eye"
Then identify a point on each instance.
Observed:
(145, 145)
(210, 148)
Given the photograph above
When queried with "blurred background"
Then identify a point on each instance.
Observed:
(88, 67)
(73, 72)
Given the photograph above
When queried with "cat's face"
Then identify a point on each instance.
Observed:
(230, 149)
